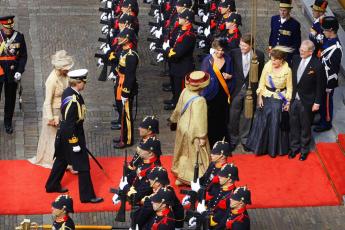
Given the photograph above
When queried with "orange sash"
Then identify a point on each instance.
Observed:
(221, 80)
(121, 79)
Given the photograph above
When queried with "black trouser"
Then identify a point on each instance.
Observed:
(10, 100)
(53, 183)
(239, 125)
(127, 128)
(178, 86)
(301, 118)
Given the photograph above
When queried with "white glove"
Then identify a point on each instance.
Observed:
(156, 13)
(186, 200)
(206, 1)
(201, 207)
(100, 62)
(153, 30)
(124, 99)
(207, 31)
(319, 37)
(123, 183)
(205, 17)
(195, 186)
(105, 29)
(76, 149)
(327, 90)
(136, 228)
(160, 2)
(102, 46)
(116, 199)
(159, 58)
(106, 49)
(201, 44)
(201, 12)
(192, 222)
(108, 4)
(152, 46)
(111, 76)
(166, 45)
(17, 76)
(109, 17)
(159, 32)
(104, 16)
(212, 51)
(200, 30)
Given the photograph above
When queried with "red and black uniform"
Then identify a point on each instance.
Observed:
(238, 220)
(180, 57)
(164, 222)
(13, 57)
(65, 223)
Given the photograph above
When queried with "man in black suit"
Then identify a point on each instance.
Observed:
(309, 83)
(70, 143)
(239, 126)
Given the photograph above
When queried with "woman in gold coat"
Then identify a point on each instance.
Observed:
(190, 115)
(56, 83)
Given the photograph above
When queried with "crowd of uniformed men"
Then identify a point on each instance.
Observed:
(220, 204)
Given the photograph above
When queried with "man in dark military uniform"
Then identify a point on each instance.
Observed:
(126, 84)
(180, 54)
(316, 33)
(232, 34)
(158, 178)
(239, 218)
(13, 58)
(210, 180)
(285, 30)
(226, 8)
(331, 55)
(70, 143)
(135, 184)
(61, 207)
(149, 127)
(218, 201)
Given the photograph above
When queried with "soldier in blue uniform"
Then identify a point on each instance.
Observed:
(180, 54)
(61, 207)
(331, 55)
(238, 218)
(70, 143)
(226, 8)
(285, 30)
(233, 35)
(13, 57)
(316, 33)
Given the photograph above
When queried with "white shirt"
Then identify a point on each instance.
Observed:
(246, 63)
(301, 70)
(282, 20)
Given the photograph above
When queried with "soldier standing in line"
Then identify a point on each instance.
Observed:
(70, 143)
(239, 218)
(61, 207)
(126, 85)
(180, 54)
(331, 55)
(13, 57)
(285, 30)
(316, 33)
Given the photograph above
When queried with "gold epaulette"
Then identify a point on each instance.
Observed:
(73, 140)
(112, 56)
(212, 222)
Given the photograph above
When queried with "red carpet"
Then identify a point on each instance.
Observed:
(334, 160)
(274, 183)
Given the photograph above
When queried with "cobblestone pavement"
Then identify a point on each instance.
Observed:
(73, 25)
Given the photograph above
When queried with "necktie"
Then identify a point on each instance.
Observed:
(300, 70)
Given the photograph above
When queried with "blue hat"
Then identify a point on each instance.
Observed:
(164, 195)
(152, 144)
(187, 14)
(221, 148)
(63, 202)
(242, 194)
(330, 23)
(150, 123)
(160, 175)
(229, 171)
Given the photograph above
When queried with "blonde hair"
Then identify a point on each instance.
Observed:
(73, 82)
(61, 60)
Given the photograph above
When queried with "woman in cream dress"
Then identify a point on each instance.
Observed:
(56, 83)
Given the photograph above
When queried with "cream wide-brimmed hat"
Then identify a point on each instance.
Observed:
(62, 61)
(197, 80)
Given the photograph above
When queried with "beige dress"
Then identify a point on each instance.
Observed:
(192, 124)
(55, 86)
